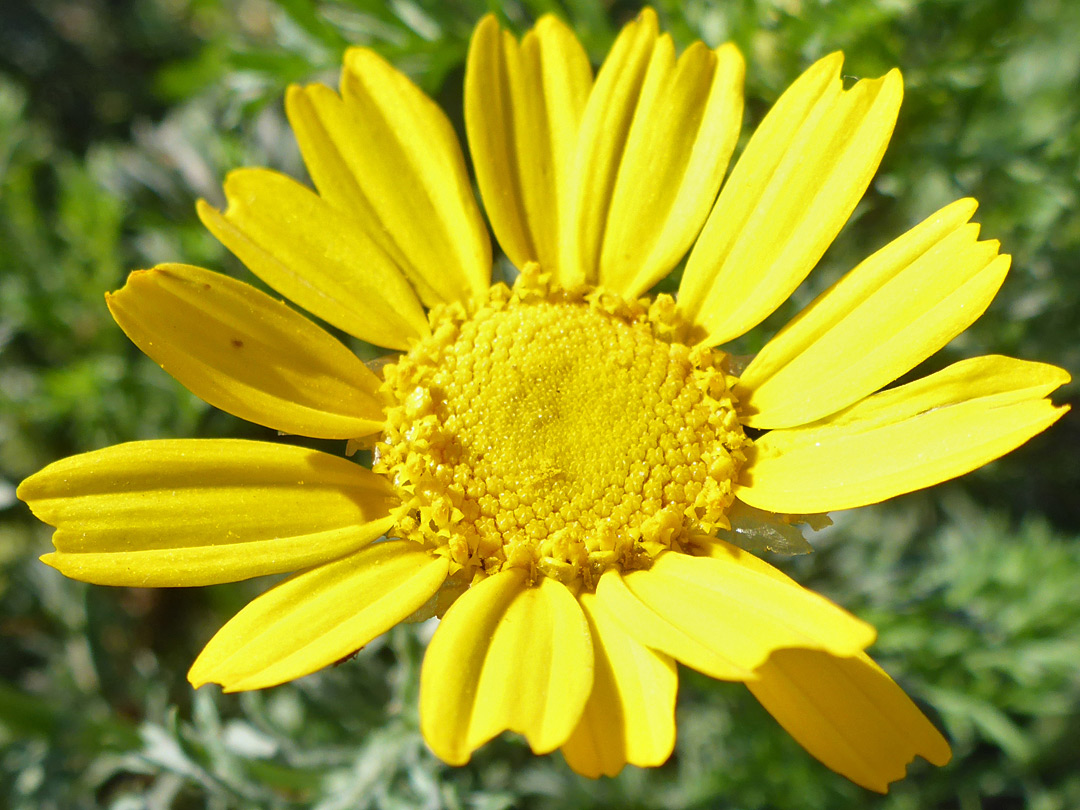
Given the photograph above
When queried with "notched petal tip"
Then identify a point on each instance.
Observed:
(143, 277)
(199, 676)
(849, 714)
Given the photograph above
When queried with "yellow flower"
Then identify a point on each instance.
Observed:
(554, 462)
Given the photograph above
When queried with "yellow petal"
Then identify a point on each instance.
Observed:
(878, 322)
(849, 714)
(246, 353)
(506, 656)
(903, 439)
(387, 154)
(320, 616)
(790, 192)
(799, 687)
(722, 615)
(607, 119)
(198, 512)
(630, 716)
(684, 129)
(316, 255)
(655, 141)
(523, 104)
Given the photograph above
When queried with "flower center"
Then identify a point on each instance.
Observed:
(562, 432)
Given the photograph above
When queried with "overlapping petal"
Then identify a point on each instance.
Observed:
(507, 656)
(793, 188)
(320, 616)
(882, 319)
(655, 140)
(606, 184)
(845, 710)
(317, 256)
(248, 354)
(385, 153)
(903, 439)
(199, 512)
(722, 615)
(523, 105)
(849, 714)
(630, 716)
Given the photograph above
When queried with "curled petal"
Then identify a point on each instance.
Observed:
(723, 615)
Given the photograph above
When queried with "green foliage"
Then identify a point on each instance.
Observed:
(111, 125)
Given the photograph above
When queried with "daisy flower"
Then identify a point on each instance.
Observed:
(557, 463)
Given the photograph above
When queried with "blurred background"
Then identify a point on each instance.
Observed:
(116, 115)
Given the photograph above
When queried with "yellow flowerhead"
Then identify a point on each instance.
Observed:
(556, 462)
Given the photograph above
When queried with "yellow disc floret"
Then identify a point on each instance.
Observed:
(562, 432)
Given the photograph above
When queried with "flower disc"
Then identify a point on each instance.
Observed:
(561, 432)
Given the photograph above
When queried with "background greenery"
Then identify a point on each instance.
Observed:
(115, 115)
